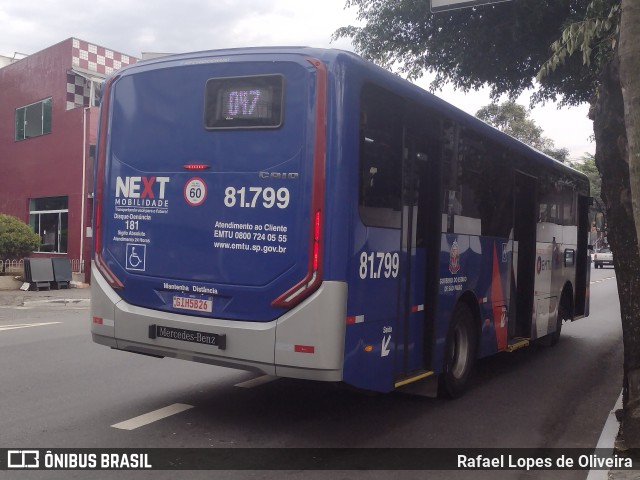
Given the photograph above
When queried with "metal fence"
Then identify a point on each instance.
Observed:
(12, 266)
(77, 265)
(17, 266)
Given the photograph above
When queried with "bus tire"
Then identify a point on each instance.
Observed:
(460, 353)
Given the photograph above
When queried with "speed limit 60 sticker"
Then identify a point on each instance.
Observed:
(195, 191)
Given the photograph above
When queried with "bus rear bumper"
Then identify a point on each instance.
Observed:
(307, 342)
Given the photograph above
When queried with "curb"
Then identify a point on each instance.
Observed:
(607, 440)
(62, 301)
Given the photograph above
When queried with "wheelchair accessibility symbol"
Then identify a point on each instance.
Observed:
(136, 257)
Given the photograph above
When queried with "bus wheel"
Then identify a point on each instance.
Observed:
(564, 313)
(460, 353)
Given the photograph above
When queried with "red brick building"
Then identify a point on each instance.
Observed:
(48, 126)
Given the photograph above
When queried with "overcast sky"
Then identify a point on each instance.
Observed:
(172, 26)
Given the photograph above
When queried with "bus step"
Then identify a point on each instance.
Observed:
(517, 343)
(422, 383)
(412, 377)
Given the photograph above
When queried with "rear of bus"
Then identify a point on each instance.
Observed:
(209, 214)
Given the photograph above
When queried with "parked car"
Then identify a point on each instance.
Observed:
(602, 257)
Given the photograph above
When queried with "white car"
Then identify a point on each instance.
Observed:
(603, 257)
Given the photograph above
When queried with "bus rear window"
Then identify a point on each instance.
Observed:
(244, 102)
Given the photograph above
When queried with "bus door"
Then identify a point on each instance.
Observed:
(385, 333)
(524, 255)
(419, 249)
(376, 265)
(583, 270)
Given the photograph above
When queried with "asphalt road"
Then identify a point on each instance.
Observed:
(59, 390)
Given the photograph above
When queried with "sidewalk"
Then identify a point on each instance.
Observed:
(606, 442)
(18, 298)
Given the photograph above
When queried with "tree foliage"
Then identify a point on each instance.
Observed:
(515, 120)
(16, 238)
(598, 30)
(587, 165)
(502, 46)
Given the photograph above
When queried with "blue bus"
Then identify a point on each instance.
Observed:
(304, 213)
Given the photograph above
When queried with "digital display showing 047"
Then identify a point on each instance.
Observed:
(249, 103)
(244, 102)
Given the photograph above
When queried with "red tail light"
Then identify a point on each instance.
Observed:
(313, 278)
(316, 243)
(196, 167)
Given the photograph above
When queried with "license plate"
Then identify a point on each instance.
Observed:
(192, 303)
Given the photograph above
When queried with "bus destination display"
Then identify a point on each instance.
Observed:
(244, 102)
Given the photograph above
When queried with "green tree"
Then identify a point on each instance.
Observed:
(16, 238)
(501, 46)
(515, 120)
(587, 165)
(509, 45)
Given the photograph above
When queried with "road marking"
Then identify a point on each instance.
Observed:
(25, 325)
(602, 280)
(147, 418)
(607, 440)
(256, 382)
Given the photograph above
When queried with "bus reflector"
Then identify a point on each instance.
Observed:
(103, 321)
(304, 349)
(353, 319)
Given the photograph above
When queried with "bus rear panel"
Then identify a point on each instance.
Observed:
(210, 212)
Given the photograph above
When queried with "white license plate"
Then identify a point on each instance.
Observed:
(193, 304)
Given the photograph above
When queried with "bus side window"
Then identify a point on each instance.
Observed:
(569, 199)
(557, 200)
(380, 189)
(479, 197)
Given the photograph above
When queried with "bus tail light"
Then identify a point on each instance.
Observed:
(313, 278)
(99, 193)
(196, 167)
(316, 242)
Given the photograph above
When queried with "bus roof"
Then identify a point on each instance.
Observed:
(332, 57)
